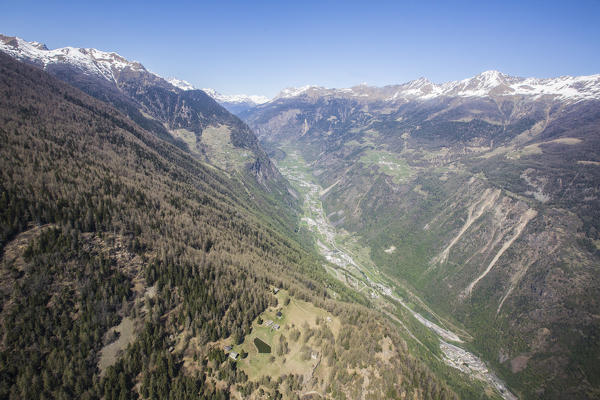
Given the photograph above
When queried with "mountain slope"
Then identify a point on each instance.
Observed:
(111, 236)
(188, 118)
(480, 195)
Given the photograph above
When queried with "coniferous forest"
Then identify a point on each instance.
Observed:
(103, 222)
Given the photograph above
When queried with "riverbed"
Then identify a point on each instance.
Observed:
(294, 169)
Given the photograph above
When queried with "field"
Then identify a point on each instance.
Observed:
(188, 137)
(297, 323)
(109, 353)
(388, 163)
(220, 150)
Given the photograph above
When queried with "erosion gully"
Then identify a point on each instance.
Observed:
(362, 276)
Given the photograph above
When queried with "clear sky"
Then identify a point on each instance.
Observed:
(260, 47)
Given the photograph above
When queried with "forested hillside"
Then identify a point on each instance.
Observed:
(112, 238)
(481, 196)
(189, 119)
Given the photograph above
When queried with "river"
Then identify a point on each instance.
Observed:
(325, 233)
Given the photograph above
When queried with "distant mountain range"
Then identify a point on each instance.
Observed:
(110, 65)
(181, 84)
(479, 196)
(236, 103)
(488, 83)
(483, 195)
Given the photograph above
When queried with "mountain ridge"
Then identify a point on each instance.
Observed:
(187, 118)
(490, 82)
(487, 83)
(104, 225)
(94, 61)
(484, 205)
(236, 98)
(237, 103)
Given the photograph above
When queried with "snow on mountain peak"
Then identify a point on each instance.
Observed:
(235, 98)
(258, 99)
(493, 82)
(294, 91)
(492, 75)
(420, 82)
(361, 90)
(496, 83)
(487, 83)
(92, 61)
(38, 45)
(181, 84)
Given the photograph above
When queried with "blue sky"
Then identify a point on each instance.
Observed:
(260, 47)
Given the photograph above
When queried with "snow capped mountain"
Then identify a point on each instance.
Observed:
(92, 61)
(293, 92)
(237, 103)
(109, 65)
(181, 84)
(38, 45)
(235, 98)
(488, 83)
(361, 90)
(496, 83)
(89, 61)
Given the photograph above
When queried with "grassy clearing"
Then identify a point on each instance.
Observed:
(298, 319)
(188, 137)
(536, 149)
(365, 141)
(111, 352)
(354, 143)
(221, 151)
(388, 163)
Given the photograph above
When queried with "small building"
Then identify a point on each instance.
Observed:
(233, 355)
(268, 323)
(276, 326)
(227, 348)
(279, 314)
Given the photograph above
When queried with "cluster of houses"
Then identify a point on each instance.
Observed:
(232, 354)
(272, 325)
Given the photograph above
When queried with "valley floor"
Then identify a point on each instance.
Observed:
(350, 263)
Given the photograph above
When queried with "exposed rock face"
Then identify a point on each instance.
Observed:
(156, 104)
(489, 192)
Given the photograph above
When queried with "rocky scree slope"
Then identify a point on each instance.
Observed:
(481, 194)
